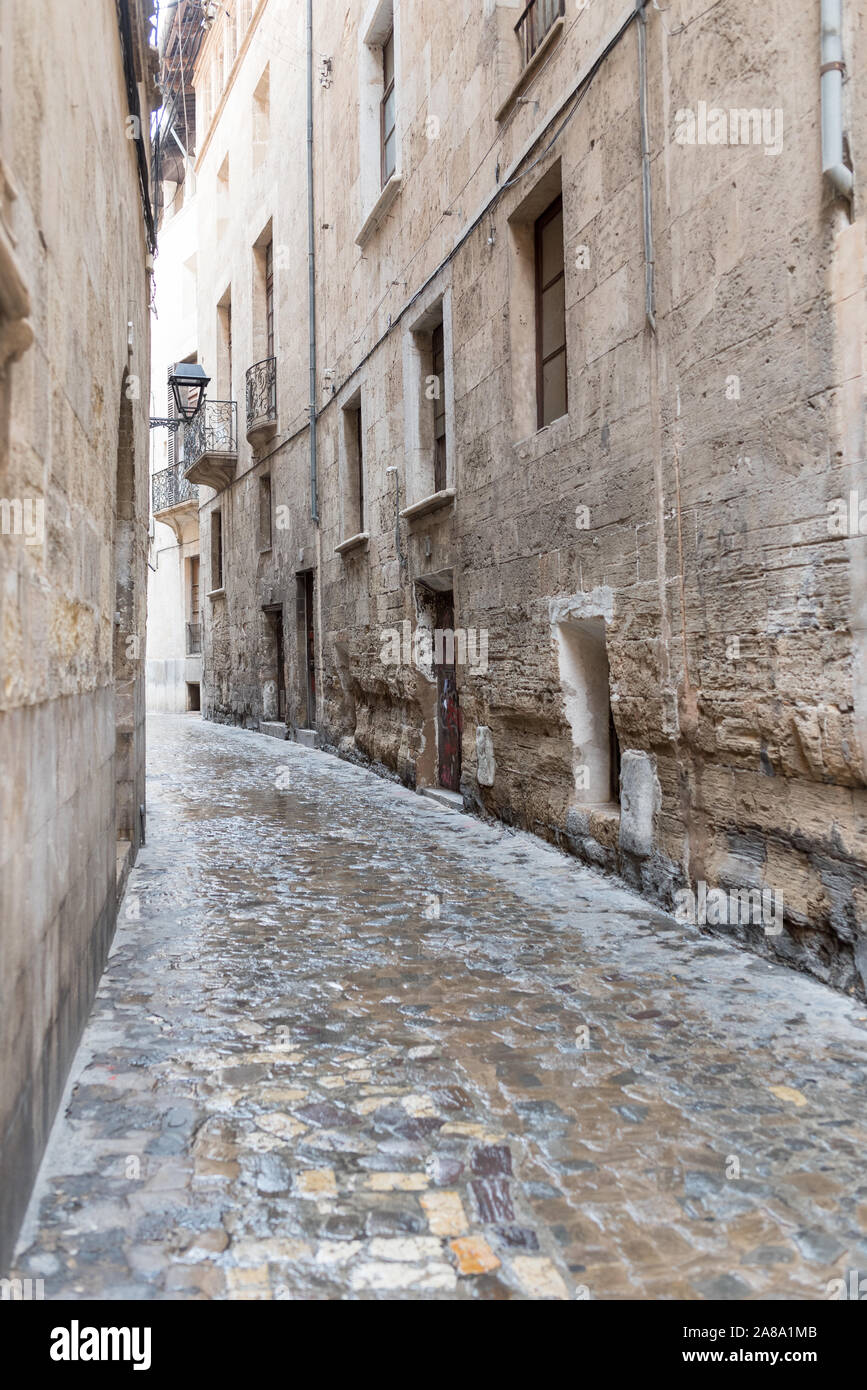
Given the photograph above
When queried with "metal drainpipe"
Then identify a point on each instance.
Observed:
(311, 266)
(649, 304)
(831, 72)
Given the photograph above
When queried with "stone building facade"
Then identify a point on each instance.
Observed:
(75, 242)
(253, 328)
(174, 662)
(589, 400)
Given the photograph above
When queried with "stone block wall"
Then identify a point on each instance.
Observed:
(74, 447)
(685, 505)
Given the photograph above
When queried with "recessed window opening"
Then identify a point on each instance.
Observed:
(551, 393)
(353, 468)
(388, 111)
(585, 687)
(438, 371)
(216, 550)
(265, 524)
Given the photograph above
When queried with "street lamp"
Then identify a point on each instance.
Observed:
(189, 383)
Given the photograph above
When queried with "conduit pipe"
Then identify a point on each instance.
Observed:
(831, 73)
(649, 293)
(311, 267)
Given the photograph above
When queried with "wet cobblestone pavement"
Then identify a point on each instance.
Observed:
(350, 1044)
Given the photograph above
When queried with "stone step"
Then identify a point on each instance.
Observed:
(309, 738)
(453, 800)
(273, 729)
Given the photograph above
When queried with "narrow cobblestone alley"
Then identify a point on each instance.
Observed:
(339, 1051)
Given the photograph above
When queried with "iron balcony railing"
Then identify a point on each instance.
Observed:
(169, 488)
(194, 639)
(213, 431)
(534, 24)
(262, 391)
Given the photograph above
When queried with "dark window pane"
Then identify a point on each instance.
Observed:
(554, 389)
(440, 465)
(269, 297)
(438, 357)
(552, 248)
(388, 157)
(553, 334)
(535, 23)
(550, 316)
(359, 448)
(388, 60)
(388, 113)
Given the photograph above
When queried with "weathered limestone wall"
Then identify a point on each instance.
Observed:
(74, 448)
(261, 148)
(684, 506)
(703, 494)
(174, 339)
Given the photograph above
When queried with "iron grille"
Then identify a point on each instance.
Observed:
(534, 24)
(213, 431)
(262, 391)
(169, 488)
(194, 639)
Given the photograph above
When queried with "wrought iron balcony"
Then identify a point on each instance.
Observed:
(169, 488)
(211, 445)
(194, 639)
(262, 401)
(535, 22)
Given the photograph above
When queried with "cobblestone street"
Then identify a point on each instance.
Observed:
(352, 1044)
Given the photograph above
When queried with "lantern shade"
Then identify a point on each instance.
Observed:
(189, 383)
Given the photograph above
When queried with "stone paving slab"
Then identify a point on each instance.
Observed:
(351, 1044)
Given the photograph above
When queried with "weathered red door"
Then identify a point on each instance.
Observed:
(281, 668)
(448, 707)
(311, 649)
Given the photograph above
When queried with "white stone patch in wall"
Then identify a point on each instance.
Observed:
(406, 1248)
(579, 627)
(597, 603)
(337, 1252)
(640, 800)
(486, 766)
(382, 1274)
(423, 638)
(269, 699)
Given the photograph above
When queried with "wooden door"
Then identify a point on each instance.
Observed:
(448, 705)
(281, 668)
(311, 649)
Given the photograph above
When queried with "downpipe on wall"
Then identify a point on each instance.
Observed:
(311, 268)
(831, 73)
(649, 291)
